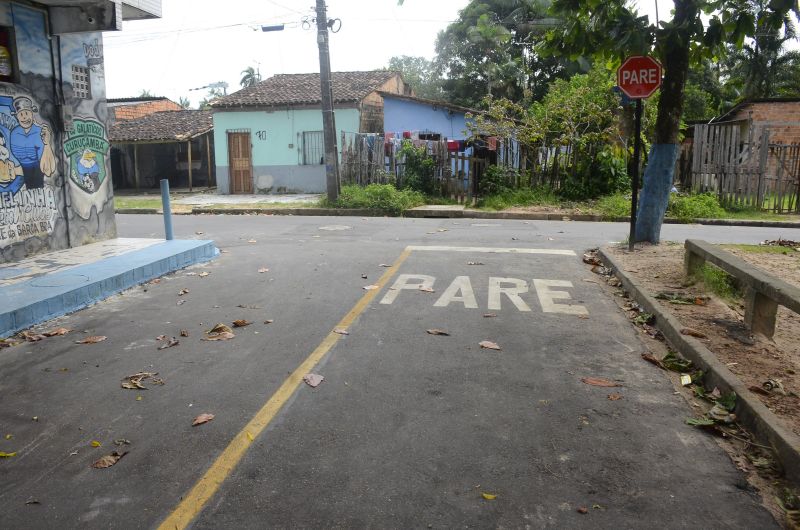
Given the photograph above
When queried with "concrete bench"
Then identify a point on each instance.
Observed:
(763, 292)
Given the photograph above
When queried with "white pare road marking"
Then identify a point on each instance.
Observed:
(493, 250)
(460, 291)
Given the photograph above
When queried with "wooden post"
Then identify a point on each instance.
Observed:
(208, 155)
(189, 159)
(136, 166)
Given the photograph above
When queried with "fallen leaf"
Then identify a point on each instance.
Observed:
(202, 418)
(583, 509)
(95, 443)
(246, 306)
(154, 282)
(442, 230)
(134, 382)
(384, 265)
(370, 287)
(7, 455)
(490, 315)
(474, 263)
(191, 274)
(249, 436)
(649, 357)
(56, 332)
(269, 321)
(161, 337)
(240, 323)
(169, 344)
(758, 390)
(437, 332)
(9, 436)
(204, 274)
(183, 291)
(94, 339)
(181, 302)
(614, 397)
(341, 331)
(252, 241)
(30, 336)
(693, 333)
(426, 290)
(184, 333)
(139, 398)
(122, 441)
(109, 460)
(225, 335)
(313, 380)
(32, 501)
(199, 233)
(599, 381)
(489, 496)
(489, 345)
(262, 270)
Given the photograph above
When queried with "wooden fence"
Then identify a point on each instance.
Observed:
(737, 161)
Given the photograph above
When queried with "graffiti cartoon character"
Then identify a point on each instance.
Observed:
(88, 170)
(11, 176)
(30, 144)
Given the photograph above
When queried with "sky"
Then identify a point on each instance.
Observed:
(197, 42)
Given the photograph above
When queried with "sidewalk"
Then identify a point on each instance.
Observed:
(56, 283)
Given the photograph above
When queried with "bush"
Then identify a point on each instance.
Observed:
(519, 197)
(418, 168)
(497, 179)
(688, 207)
(617, 205)
(383, 197)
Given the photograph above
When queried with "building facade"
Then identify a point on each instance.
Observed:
(55, 182)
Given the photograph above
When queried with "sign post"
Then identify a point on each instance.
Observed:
(638, 78)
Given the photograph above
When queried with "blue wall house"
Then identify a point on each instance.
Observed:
(268, 137)
(405, 113)
(55, 173)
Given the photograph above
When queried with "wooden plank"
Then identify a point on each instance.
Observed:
(208, 156)
(189, 159)
(136, 166)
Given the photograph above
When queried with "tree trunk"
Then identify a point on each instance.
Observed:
(660, 170)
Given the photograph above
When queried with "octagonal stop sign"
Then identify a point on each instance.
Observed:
(639, 77)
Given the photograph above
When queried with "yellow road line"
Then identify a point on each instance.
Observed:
(194, 501)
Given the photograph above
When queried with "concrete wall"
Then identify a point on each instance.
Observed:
(55, 183)
(277, 138)
(403, 115)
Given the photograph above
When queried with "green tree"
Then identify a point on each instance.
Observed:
(212, 95)
(184, 102)
(420, 73)
(698, 30)
(145, 93)
(250, 77)
(491, 50)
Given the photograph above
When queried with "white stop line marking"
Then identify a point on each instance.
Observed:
(495, 250)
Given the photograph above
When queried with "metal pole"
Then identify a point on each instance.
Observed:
(328, 122)
(165, 206)
(635, 179)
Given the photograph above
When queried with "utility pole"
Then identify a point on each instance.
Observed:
(328, 121)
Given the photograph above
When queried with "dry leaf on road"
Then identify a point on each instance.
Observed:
(202, 418)
(204, 274)
(489, 345)
(7, 455)
(269, 321)
(240, 323)
(599, 381)
(437, 332)
(30, 336)
(109, 460)
(183, 291)
(94, 339)
(225, 335)
(489, 496)
(370, 287)
(384, 265)
(341, 331)
(490, 315)
(262, 270)
(134, 382)
(313, 380)
(220, 328)
(56, 332)
(614, 397)
(184, 333)
(426, 290)
(169, 344)
(693, 333)
(252, 241)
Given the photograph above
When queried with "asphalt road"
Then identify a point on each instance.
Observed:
(408, 429)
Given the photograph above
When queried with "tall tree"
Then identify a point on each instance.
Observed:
(420, 73)
(145, 93)
(698, 29)
(490, 50)
(211, 96)
(250, 77)
(184, 102)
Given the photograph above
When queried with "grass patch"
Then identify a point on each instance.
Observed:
(617, 205)
(701, 206)
(762, 249)
(383, 197)
(259, 206)
(521, 197)
(136, 202)
(718, 282)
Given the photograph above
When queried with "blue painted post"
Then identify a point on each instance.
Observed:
(166, 209)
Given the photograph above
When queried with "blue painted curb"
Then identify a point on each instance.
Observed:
(49, 296)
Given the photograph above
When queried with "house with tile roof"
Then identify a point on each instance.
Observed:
(176, 145)
(268, 137)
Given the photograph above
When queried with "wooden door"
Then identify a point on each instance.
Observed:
(240, 162)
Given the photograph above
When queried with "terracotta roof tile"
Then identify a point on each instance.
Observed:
(173, 125)
(304, 89)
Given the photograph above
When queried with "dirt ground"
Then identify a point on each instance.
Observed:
(754, 359)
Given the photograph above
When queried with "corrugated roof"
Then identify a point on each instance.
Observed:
(303, 89)
(166, 126)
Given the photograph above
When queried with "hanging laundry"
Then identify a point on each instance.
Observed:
(492, 143)
(407, 135)
(452, 146)
(388, 136)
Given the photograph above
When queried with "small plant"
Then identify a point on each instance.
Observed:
(718, 282)
(383, 197)
(689, 207)
(617, 205)
(418, 168)
(540, 195)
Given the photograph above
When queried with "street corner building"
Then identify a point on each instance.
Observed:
(55, 182)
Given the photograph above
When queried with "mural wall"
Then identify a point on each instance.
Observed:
(54, 167)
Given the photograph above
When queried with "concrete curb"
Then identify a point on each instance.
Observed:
(763, 423)
(456, 214)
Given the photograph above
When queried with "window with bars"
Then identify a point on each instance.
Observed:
(313, 148)
(81, 82)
